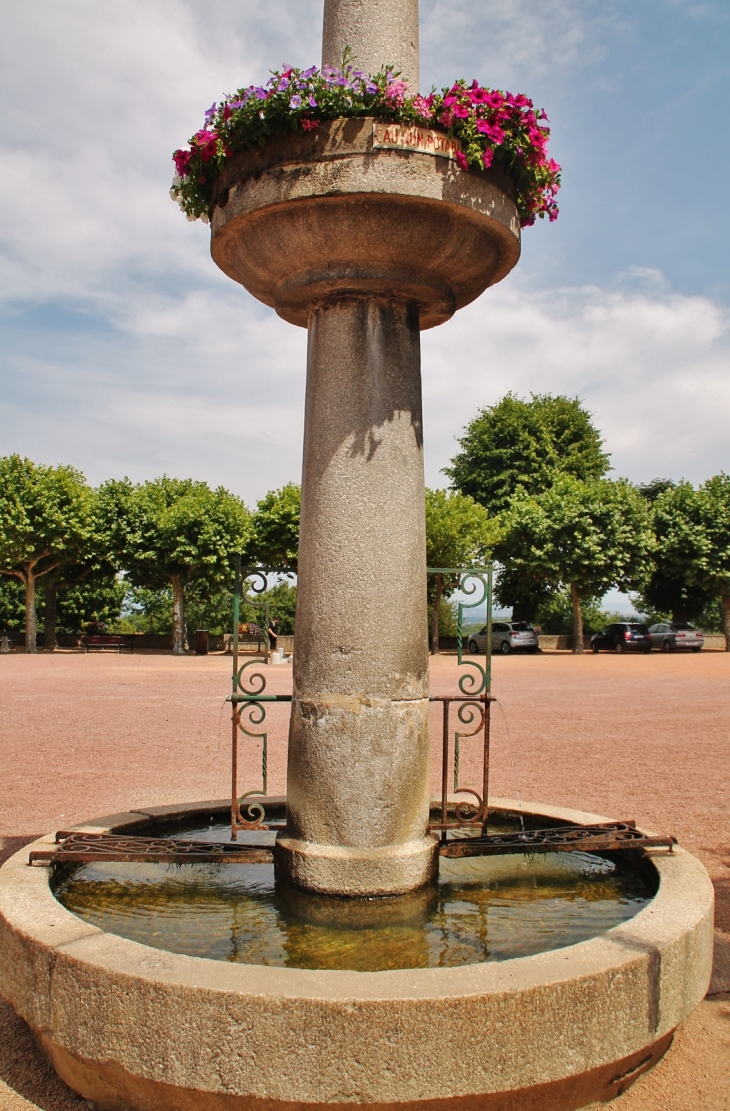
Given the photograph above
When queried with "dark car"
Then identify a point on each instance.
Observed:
(669, 635)
(622, 636)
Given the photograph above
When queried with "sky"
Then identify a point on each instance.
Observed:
(123, 350)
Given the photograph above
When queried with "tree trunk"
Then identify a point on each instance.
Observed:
(31, 625)
(435, 615)
(178, 617)
(725, 607)
(49, 635)
(577, 621)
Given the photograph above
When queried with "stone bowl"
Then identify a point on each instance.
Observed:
(128, 1026)
(311, 217)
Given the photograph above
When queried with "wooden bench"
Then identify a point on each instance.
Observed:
(101, 641)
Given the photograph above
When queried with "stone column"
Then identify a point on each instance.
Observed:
(380, 32)
(358, 776)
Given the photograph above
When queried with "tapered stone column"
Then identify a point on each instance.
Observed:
(379, 32)
(358, 777)
(364, 246)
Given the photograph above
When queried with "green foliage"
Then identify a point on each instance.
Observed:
(591, 535)
(712, 568)
(712, 571)
(174, 528)
(494, 127)
(448, 619)
(45, 525)
(96, 600)
(671, 587)
(555, 615)
(652, 490)
(12, 605)
(459, 533)
(282, 600)
(518, 443)
(45, 517)
(275, 528)
(145, 610)
(521, 590)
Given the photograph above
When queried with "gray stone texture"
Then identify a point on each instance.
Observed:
(130, 1026)
(359, 737)
(380, 33)
(310, 216)
(365, 247)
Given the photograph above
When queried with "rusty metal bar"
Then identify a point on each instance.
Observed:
(485, 765)
(445, 767)
(234, 769)
(478, 809)
(87, 848)
(611, 837)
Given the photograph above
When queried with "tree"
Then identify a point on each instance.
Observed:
(524, 444)
(712, 570)
(45, 524)
(518, 443)
(174, 532)
(679, 543)
(275, 528)
(459, 533)
(587, 536)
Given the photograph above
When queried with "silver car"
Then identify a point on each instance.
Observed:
(669, 635)
(506, 635)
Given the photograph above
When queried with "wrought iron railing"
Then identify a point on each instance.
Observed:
(249, 702)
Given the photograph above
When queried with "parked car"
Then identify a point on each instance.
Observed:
(506, 635)
(669, 635)
(622, 636)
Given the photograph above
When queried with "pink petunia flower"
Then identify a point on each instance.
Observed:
(461, 159)
(181, 158)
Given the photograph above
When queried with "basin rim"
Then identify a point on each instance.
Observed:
(662, 955)
(300, 190)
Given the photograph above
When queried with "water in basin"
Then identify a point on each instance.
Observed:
(481, 909)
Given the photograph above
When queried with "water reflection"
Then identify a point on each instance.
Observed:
(481, 909)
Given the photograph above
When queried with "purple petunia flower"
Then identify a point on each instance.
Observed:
(261, 93)
(211, 112)
(312, 102)
(296, 101)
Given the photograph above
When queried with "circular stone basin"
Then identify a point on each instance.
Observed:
(481, 909)
(130, 1026)
(327, 214)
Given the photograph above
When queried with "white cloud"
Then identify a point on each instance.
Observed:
(126, 351)
(652, 368)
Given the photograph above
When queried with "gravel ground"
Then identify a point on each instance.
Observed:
(630, 736)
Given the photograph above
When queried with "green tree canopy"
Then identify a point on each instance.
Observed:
(45, 525)
(275, 528)
(712, 570)
(680, 541)
(174, 531)
(587, 536)
(525, 444)
(518, 443)
(459, 533)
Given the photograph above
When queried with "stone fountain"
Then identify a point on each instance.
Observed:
(365, 245)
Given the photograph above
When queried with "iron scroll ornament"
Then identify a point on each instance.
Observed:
(248, 697)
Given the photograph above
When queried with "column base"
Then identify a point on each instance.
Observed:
(363, 872)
